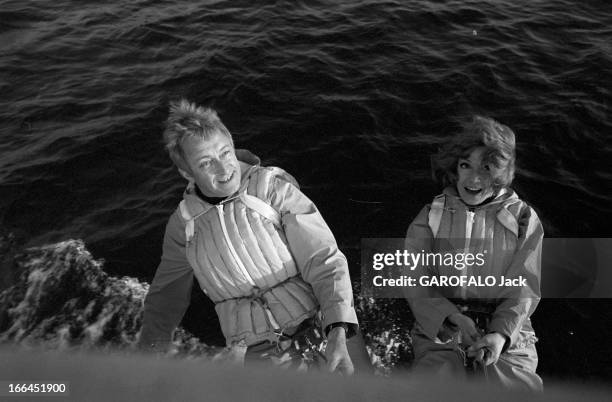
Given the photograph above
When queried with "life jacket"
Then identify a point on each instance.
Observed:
(242, 262)
(507, 215)
(252, 202)
(446, 218)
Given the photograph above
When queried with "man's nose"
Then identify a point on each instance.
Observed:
(221, 167)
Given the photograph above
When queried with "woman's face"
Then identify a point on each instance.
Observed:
(474, 178)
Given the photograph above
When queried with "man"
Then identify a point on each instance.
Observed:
(258, 247)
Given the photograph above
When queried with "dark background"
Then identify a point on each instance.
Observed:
(352, 99)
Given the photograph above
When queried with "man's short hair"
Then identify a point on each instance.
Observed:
(188, 119)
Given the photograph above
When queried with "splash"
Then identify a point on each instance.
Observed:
(63, 299)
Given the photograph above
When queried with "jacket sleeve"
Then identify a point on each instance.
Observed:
(518, 303)
(428, 306)
(316, 253)
(170, 292)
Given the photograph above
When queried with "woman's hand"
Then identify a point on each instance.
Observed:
(488, 348)
(466, 326)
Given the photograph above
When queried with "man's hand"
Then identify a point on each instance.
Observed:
(465, 325)
(488, 348)
(336, 352)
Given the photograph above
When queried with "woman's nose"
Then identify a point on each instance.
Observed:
(474, 178)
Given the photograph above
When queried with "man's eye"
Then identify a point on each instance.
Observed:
(487, 167)
(226, 154)
(204, 164)
(464, 165)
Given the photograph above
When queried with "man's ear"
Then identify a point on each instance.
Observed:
(186, 175)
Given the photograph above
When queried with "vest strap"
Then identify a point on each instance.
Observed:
(189, 221)
(435, 214)
(508, 219)
(262, 208)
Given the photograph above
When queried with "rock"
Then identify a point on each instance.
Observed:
(63, 299)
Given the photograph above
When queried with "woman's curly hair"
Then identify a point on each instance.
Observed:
(499, 143)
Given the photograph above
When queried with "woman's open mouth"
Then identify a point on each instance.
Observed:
(473, 191)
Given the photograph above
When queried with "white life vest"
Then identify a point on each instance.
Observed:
(241, 260)
(507, 214)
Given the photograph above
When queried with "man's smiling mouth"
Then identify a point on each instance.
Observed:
(229, 178)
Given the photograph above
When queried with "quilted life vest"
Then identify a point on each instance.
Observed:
(242, 261)
(492, 229)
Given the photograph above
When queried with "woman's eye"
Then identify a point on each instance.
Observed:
(487, 167)
(464, 165)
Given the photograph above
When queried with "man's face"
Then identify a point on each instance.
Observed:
(212, 165)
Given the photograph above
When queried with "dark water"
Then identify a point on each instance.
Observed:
(350, 97)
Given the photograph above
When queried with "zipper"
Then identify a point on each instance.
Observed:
(231, 247)
(270, 318)
(469, 224)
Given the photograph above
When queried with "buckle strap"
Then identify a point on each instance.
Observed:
(257, 293)
(257, 296)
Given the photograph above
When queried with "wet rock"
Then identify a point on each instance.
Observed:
(63, 299)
